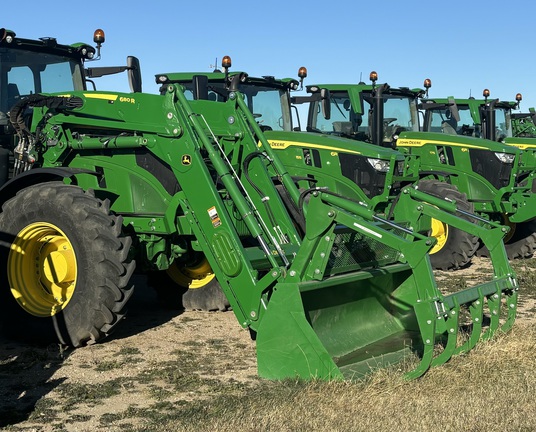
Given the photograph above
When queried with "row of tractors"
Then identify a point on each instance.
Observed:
(321, 234)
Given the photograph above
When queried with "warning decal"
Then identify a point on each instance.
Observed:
(213, 214)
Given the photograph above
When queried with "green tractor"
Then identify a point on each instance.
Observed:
(493, 121)
(490, 176)
(369, 174)
(34, 66)
(118, 181)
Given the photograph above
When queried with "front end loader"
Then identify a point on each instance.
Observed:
(330, 290)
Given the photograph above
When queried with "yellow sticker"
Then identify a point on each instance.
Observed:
(214, 217)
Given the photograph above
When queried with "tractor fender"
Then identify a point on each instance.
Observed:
(36, 176)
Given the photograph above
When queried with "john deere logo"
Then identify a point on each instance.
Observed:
(186, 160)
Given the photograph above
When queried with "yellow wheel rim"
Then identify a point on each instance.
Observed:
(192, 277)
(42, 269)
(439, 231)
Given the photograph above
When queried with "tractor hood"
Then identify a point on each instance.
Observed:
(418, 139)
(282, 140)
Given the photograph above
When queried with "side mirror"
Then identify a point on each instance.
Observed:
(134, 74)
(325, 102)
(454, 109)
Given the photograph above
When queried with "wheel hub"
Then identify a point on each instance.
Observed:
(192, 277)
(42, 269)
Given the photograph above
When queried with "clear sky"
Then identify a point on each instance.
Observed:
(462, 46)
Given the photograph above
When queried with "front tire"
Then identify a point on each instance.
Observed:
(520, 242)
(66, 267)
(454, 248)
(191, 287)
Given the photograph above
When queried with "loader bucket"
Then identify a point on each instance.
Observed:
(346, 324)
(340, 331)
(346, 330)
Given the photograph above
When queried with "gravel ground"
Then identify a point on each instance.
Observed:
(155, 356)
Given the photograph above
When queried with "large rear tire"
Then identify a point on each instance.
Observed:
(65, 268)
(454, 248)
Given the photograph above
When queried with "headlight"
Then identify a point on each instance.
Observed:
(505, 157)
(379, 164)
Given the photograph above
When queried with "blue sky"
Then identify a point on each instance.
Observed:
(462, 46)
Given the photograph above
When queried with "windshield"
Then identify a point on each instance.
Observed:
(400, 114)
(443, 120)
(503, 124)
(270, 105)
(523, 124)
(27, 72)
(343, 120)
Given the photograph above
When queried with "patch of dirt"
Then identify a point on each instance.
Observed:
(156, 357)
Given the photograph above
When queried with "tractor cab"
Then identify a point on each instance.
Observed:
(481, 118)
(267, 98)
(30, 67)
(369, 113)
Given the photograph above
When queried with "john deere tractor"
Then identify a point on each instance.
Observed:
(329, 290)
(31, 66)
(494, 121)
(370, 174)
(488, 176)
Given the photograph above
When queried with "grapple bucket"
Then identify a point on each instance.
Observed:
(325, 322)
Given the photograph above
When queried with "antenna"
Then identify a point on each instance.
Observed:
(214, 66)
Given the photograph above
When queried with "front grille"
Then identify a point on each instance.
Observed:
(486, 164)
(352, 250)
(523, 180)
(358, 170)
(399, 168)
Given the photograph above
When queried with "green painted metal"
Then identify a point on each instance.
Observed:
(354, 292)
(358, 170)
(496, 176)
(351, 291)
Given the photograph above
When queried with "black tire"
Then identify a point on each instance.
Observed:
(520, 242)
(174, 289)
(208, 298)
(456, 250)
(82, 258)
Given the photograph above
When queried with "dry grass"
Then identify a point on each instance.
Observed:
(490, 389)
(196, 372)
